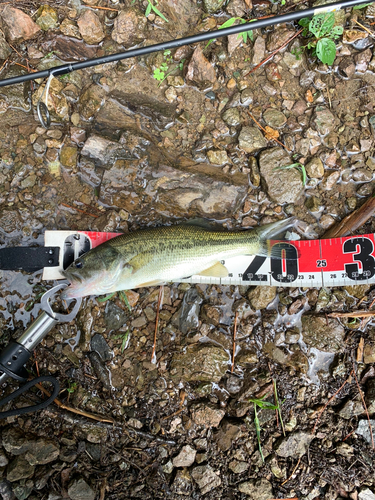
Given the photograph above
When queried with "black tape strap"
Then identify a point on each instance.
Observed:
(26, 387)
(29, 259)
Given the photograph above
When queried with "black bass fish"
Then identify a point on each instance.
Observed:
(154, 256)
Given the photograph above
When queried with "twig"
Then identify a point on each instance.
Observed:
(25, 67)
(103, 8)
(364, 27)
(79, 210)
(360, 350)
(160, 298)
(327, 403)
(173, 414)
(74, 410)
(234, 339)
(294, 470)
(274, 52)
(353, 221)
(265, 131)
(354, 314)
(348, 436)
(4, 63)
(365, 407)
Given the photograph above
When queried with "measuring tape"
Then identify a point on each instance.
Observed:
(318, 263)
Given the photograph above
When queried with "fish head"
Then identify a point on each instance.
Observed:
(97, 272)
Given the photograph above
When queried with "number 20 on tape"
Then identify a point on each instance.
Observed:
(331, 262)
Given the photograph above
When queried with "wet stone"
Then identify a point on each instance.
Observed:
(182, 484)
(80, 490)
(206, 478)
(324, 121)
(17, 25)
(283, 185)
(352, 408)
(238, 467)
(366, 494)
(363, 429)
(217, 157)
(212, 6)
(325, 337)
(277, 37)
(185, 458)
(189, 313)
(90, 27)
(15, 441)
(295, 445)
(369, 354)
(274, 118)
(251, 140)
(47, 17)
(99, 149)
(5, 50)
(18, 469)
(261, 296)
(128, 27)
(204, 363)
(232, 117)
(69, 28)
(99, 345)
(114, 317)
(68, 156)
(259, 50)
(257, 489)
(6, 490)
(315, 168)
(246, 97)
(42, 451)
(362, 60)
(3, 459)
(206, 416)
(99, 369)
(200, 70)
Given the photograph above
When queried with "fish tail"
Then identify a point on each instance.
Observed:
(279, 250)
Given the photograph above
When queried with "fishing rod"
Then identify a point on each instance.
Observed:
(201, 37)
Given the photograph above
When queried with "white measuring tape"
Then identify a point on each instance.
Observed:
(332, 262)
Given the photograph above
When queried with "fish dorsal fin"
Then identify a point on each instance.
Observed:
(216, 271)
(204, 224)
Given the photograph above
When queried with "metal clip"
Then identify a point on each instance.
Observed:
(16, 354)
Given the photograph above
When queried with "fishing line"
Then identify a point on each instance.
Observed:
(179, 42)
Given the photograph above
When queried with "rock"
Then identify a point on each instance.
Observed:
(277, 37)
(5, 50)
(274, 118)
(68, 156)
(18, 469)
(227, 435)
(238, 466)
(185, 458)
(99, 345)
(206, 416)
(200, 70)
(259, 50)
(257, 489)
(6, 490)
(80, 490)
(352, 408)
(217, 157)
(90, 27)
(315, 168)
(323, 335)
(182, 484)
(347, 67)
(57, 103)
(101, 150)
(363, 429)
(369, 354)
(14, 441)
(358, 291)
(362, 60)
(206, 478)
(246, 97)
(204, 363)
(90, 101)
(232, 117)
(234, 41)
(47, 17)
(42, 451)
(100, 370)
(283, 185)
(212, 6)
(17, 25)
(251, 140)
(128, 27)
(70, 28)
(261, 296)
(3, 459)
(324, 121)
(366, 494)
(295, 445)
(115, 317)
(189, 312)
(314, 203)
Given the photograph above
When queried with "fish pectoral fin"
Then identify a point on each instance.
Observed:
(139, 261)
(218, 270)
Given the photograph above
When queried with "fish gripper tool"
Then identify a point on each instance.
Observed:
(15, 355)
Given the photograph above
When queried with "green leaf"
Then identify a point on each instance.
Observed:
(157, 11)
(322, 24)
(148, 9)
(305, 21)
(107, 297)
(158, 74)
(124, 298)
(337, 30)
(356, 7)
(326, 50)
(228, 23)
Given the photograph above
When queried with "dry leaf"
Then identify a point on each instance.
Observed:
(249, 4)
(271, 133)
(309, 96)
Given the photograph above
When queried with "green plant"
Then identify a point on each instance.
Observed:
(263, 405)
(122, 295)
(162, 72)
(356, 7)
(297, 165)
(321, 28)
(245, 34)
(72, 386)
(151, 7)
(124, 339)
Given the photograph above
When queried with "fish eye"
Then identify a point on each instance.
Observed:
(79, 264)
